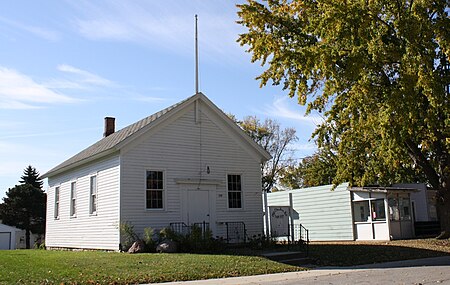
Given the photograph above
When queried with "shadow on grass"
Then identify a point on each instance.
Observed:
(363, 255)
(423, 262)
(357, 254)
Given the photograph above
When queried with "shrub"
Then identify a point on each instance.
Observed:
(39, 245)
(129, 236)
(261, 241)
(195, 241)
(148, 238)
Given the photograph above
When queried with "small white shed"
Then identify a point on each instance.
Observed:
(7, 237)
(382, 213)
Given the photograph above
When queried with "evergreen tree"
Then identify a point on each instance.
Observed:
(24, 205)
(31, 176)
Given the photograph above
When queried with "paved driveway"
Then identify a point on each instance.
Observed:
(420, 271)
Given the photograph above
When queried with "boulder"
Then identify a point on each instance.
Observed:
(137, 247)
(167, 246)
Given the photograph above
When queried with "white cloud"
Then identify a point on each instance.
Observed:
(86, 76)
(304, 147)
(86, 80)
(149, 99)
(10, 125)
(56, 83)
(162, 24)
(17, 135)
(280, 109)
(16, 105)
(35, 30)
(19, 91)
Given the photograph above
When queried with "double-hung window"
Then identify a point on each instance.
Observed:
(234, 185)
(73, 199)
(93, 195)
(155, 189)
(56, 212)
(378, 210)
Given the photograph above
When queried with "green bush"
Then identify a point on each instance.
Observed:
(129, 236)
(196, 241)
(261, 242)
(150, 243)
(39, 245)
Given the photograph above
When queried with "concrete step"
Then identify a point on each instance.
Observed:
(302, 261)
(287, 256)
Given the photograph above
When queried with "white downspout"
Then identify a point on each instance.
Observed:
(266, 212)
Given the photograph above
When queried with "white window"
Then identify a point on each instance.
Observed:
(378, 211)
(93, 195)
(399, 208)
(73, 199)
(361, 211)
(234, 191)
(155, 190)
(56, 212)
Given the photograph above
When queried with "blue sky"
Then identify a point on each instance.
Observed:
(65, 65)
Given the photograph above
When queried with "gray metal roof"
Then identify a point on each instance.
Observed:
(111, 141)
(115, 141)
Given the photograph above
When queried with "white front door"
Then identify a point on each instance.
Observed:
(198, 210)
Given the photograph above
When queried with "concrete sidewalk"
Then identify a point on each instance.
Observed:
(427, 270)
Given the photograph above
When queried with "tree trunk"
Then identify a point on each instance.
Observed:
(27, 238)
(443, 205)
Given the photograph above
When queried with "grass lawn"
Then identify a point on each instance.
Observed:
(90, 267)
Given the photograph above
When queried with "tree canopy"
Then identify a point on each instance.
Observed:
(24, 205)
(275, 140)
(314, 170)
(378, 71)
(31, 176)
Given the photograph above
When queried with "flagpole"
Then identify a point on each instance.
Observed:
(196, 56)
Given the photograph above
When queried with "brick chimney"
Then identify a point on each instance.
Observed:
(109, 126)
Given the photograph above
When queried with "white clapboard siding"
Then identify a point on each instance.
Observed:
(86, 231)
(326, 213)
(182, 149)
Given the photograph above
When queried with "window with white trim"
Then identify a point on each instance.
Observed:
(234, 185)
(378, 211)
(93, 195)
(56, 212)
(73, 199)
(155, 189)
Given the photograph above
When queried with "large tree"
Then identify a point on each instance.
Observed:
(314, 170)
(24, 205)
(320, 169)
(275, 140)
(376, 69)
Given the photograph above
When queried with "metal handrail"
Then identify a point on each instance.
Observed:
(204, 227)
(180, 227)
(236, 231)
(301, 237)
